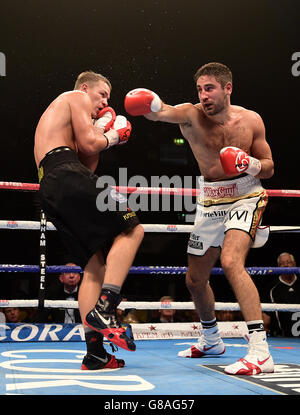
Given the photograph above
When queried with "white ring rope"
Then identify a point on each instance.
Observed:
(162, 228)
(148, 305)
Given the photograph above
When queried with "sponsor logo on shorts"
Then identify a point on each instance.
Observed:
(220, 191)
(213, 215)
(194, 242)
(129, 215)
(238, 215)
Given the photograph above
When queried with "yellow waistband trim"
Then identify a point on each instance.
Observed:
(40, 173)
(225, 200)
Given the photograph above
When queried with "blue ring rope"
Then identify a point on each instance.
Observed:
(166, 270)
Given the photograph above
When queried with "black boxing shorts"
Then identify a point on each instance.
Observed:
(68, 195)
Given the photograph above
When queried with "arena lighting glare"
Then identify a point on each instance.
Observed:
(178, 141)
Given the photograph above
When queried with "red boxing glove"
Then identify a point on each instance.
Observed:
(105, 118)
(235, 161)
(141, 101)
(119, 133)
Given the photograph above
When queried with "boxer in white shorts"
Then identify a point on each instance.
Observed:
(232, 204)
(227, 141)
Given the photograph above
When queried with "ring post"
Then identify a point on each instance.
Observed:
(43, 228)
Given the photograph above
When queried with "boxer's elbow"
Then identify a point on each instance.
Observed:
(90, 144)
(268, 174)
(271, 172)
(86, 148)
(267, 170)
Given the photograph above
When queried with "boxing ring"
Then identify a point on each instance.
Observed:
(45, 359)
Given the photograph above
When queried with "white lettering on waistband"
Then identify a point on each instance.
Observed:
(220, 191)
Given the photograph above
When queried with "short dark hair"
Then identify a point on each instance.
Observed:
(90, 77)
(221, 72)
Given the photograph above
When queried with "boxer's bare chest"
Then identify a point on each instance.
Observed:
(236, 134)
(207, 136)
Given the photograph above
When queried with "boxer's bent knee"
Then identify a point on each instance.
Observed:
(231, 264)
(136, 232)
(196, 280)
(227, 262)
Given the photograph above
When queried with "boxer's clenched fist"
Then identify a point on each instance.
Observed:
(234, 161)
(142, 101)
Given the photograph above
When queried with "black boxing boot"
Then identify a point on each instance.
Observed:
(103, 318)
(97, 357)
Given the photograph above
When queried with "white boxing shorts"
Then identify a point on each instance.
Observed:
(230, 204)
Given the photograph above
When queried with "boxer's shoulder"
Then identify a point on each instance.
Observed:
(191, 110)
(72, 97)
(245, 113)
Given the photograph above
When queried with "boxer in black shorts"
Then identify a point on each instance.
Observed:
(71, 133)
(73, 210)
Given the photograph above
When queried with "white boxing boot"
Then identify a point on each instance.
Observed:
(209, 344)
(258, 359)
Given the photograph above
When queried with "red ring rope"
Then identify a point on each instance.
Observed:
(147, 190)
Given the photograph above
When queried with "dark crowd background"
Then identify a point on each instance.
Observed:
(157, 45)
